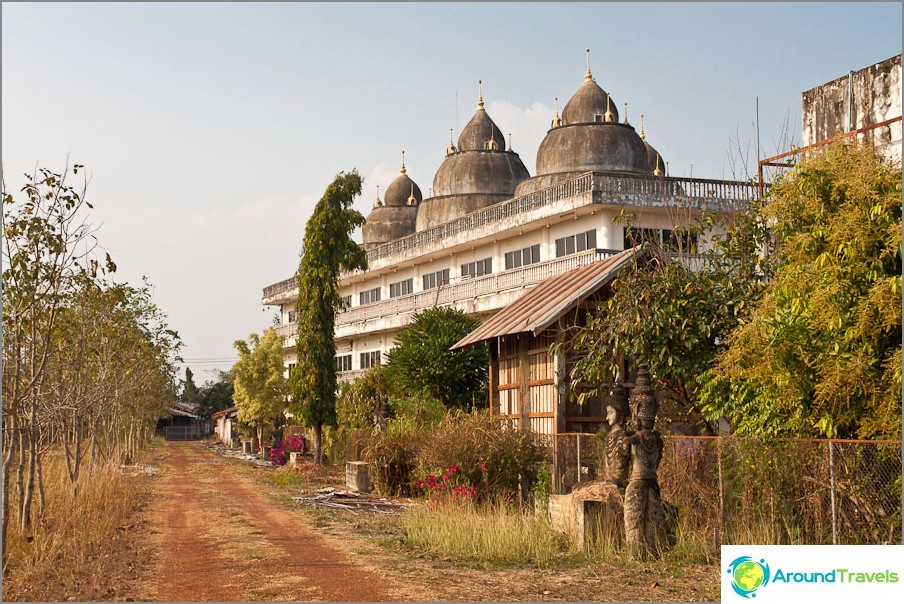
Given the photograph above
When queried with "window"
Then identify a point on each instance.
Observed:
(522, 257)
(292, 316)
(476, 269)
(436, 279)
(291, 369)
(400, 288)
(344, 362)
(371, 295)
(576, 243)
(370, 359)
(668, 238)
(346, 301)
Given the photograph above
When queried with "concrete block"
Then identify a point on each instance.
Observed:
(357, 476)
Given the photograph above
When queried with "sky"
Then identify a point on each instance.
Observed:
(210, 130)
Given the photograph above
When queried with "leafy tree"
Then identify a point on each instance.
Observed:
(260, 386)
(190, 393)
(216, 396)
(821, 354)
(328, 250)
(422, 364)
(673, 309)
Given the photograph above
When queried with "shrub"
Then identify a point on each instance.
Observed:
(280, 453)
(392, 454)
(492, 457)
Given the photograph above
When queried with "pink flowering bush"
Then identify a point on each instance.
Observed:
(279, 454)
(474, 457)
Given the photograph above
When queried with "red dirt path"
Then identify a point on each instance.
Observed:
(210, 520)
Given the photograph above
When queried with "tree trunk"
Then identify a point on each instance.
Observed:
(7, 464)
(41, 501)
(318, 440)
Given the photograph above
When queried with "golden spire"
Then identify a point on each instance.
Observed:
(510, 141)
(626, 115)
(642, 135)
(480, 94)
(557, 121)
(451, 148)
(402, 169)
(609, 116)
(588, 77)
(377, 202)
(412, 200)
(657, 171)
(491, 144)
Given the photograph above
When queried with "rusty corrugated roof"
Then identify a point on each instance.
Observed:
(550, 299)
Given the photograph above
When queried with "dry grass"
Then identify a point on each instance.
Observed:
(482, 534)
(67, 549)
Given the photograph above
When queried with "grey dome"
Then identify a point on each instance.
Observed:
(592, 147)
(589, 102)
(480, 131)
(388, 223)
(400, 189)
(468, 172)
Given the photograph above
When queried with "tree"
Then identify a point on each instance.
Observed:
(421, 362)
(673, 309)
(260, 386)
(821, 353)
(216, 396)
(190, 394)
(328, 250)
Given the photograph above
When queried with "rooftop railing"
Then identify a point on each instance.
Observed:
(694, 193)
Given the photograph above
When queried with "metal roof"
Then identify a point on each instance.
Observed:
(550, 299)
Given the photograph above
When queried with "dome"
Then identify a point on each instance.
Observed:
(481, 133)
(589, 104)
(470, 172)
(402, 191)
(388, 223)
(479, 173)
(592, 147)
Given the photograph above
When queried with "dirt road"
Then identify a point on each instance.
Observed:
(220, 539)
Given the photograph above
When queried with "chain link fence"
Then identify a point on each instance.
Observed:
(744, 490)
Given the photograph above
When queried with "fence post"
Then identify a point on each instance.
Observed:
(578, 437)
(721, 489)
(832, 495)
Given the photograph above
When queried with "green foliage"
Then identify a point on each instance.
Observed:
(491, 456)
(422, 364)
(328, 250)
(364, 400)
(424, 410)
(190, 393)
(391, 455)
(260, 387)
(821, 354)
(672, 310)
(216, 396)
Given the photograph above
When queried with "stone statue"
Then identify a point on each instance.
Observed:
(644, 511)
(618, 450)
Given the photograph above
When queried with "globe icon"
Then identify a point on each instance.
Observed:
(748, 575)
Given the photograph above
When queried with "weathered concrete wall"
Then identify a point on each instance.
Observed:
(865, 97)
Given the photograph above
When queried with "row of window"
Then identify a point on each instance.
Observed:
(344, 361)
(576, 243)
(523, 257)
(666, 237)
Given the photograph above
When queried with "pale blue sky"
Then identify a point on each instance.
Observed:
(210, 130)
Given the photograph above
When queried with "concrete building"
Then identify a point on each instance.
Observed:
(860, 99)
(491, 231)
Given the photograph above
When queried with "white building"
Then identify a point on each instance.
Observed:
(491, 231)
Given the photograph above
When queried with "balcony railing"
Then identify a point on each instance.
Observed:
(605, 188)
(463, 289)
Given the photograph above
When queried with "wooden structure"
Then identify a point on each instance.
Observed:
(528, 378)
